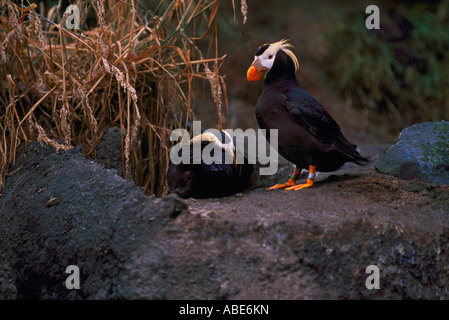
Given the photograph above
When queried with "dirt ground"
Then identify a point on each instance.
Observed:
(349, 193)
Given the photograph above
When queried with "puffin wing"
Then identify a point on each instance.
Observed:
(308, 112)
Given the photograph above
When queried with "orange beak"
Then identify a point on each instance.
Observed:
(256, 72)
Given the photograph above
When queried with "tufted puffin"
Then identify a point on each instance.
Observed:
(209, 180)
(308, 136)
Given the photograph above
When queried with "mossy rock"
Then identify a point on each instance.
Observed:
(422, 153)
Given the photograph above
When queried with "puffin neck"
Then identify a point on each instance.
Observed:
(279, 77)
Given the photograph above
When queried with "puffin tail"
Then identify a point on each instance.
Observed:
(357, 158)
(351, 151)
(360, 160)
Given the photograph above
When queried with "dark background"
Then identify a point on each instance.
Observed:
(373, 82)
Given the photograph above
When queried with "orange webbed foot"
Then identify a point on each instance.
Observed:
(290, 183)
(308, 184)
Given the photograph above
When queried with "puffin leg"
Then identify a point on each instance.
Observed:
(290, 182)
(309, 182)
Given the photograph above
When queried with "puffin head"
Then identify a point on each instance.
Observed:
(274, 59)
(226, 142)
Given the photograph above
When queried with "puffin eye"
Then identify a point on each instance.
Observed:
(270, 57)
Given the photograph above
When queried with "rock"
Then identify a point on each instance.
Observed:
(109, 151)
(422, 153)
(130, 246)
(61, 209)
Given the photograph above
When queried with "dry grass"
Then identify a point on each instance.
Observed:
(134, 69)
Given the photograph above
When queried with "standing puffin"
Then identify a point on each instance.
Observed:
(308, 136)
(209, 180)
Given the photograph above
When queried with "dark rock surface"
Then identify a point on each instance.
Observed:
(61, 209)
(109, 151)
(422, 152)
(96, 223)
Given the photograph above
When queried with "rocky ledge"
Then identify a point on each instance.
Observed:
(61, 209)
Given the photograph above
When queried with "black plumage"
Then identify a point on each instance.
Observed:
(208, 180)
(307, 135)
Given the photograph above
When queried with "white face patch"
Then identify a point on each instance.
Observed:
(266, 59)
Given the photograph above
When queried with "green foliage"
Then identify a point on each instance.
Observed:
(400, 73)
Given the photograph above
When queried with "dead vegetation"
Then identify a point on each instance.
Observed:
(66, 84)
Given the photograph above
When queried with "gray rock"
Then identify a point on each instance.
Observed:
(96, 223)
(422, 153)
(109, 151)
(130, 246)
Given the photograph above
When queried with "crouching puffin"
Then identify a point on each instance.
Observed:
(307, 135)
(209, 180)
